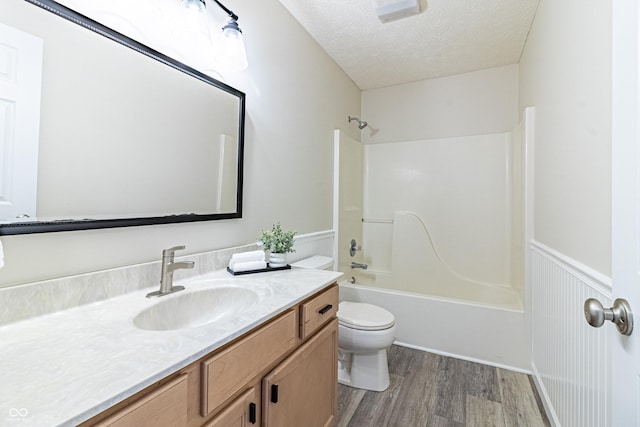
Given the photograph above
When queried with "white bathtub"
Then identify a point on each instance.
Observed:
(492, 334)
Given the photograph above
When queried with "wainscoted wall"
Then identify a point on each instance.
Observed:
(307, 245)
(570, 358)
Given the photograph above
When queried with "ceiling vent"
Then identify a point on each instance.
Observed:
(392, 10)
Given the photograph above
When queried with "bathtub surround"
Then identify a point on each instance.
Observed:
(440, 225)
(451, 197)
(441, 212)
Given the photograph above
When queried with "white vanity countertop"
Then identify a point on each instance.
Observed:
(63, 368)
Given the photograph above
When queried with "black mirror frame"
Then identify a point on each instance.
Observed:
(35, 226)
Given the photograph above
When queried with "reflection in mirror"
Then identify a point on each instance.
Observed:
(128, 136)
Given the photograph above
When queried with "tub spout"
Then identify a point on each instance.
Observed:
(358, 265)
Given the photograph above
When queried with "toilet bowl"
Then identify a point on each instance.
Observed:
(365, 331)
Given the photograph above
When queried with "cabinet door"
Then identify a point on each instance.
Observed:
(242, 412)
(301, 391)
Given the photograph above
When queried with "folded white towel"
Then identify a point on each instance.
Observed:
(248, 266)
(1, 256)
(247, 256)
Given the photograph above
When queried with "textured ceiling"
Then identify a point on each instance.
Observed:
(447, 37)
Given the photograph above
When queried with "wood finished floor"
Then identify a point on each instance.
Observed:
(437, 391)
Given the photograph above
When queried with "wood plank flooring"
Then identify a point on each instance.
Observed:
(428, 390)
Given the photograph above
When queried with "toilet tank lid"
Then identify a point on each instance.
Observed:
(317, 261)
(364, 316)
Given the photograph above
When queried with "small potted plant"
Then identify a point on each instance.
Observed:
(278, 243)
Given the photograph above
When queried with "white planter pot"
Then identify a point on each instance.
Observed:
(277, 260)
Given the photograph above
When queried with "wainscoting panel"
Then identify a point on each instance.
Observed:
(570, 358)
(307, 245)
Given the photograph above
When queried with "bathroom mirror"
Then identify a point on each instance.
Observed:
(128, 136)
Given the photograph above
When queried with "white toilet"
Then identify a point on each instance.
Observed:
(365, 331)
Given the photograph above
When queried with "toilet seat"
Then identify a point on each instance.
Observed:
(364, 317)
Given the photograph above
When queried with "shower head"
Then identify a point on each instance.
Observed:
(361, 123)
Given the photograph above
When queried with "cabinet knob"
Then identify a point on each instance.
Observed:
(274, 393)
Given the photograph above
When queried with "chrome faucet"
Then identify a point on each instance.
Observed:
(168, 267)
(358, 265)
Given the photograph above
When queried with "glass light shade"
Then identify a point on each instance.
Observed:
(233, 55)
(194, 5)
(191, 32)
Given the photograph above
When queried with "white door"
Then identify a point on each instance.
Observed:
(625, 357)
(20, 77)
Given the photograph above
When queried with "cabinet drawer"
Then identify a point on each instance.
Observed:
(227, 372)
(164, 407)
(318, 310)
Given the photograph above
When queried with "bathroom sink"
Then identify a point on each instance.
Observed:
(196, 308)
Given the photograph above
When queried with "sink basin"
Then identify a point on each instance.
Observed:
(196, 308)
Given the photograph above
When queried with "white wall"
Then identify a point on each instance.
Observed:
(476, 103)
(296, 96)
(565, 72)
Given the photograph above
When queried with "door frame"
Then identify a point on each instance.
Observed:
(624, 386)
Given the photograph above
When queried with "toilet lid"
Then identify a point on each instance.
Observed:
(363, 316)
(317, 261)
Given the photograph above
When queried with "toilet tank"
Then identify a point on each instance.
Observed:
(317, 261)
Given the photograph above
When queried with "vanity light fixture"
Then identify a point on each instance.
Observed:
(233, 55)
(195, 5)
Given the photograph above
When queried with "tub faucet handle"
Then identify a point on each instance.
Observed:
(353, 247)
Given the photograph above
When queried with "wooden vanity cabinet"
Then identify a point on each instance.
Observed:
(317, 310)
(242, 412)
(165, 406)
(294, 354)
(232, 369)
(301, 391)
